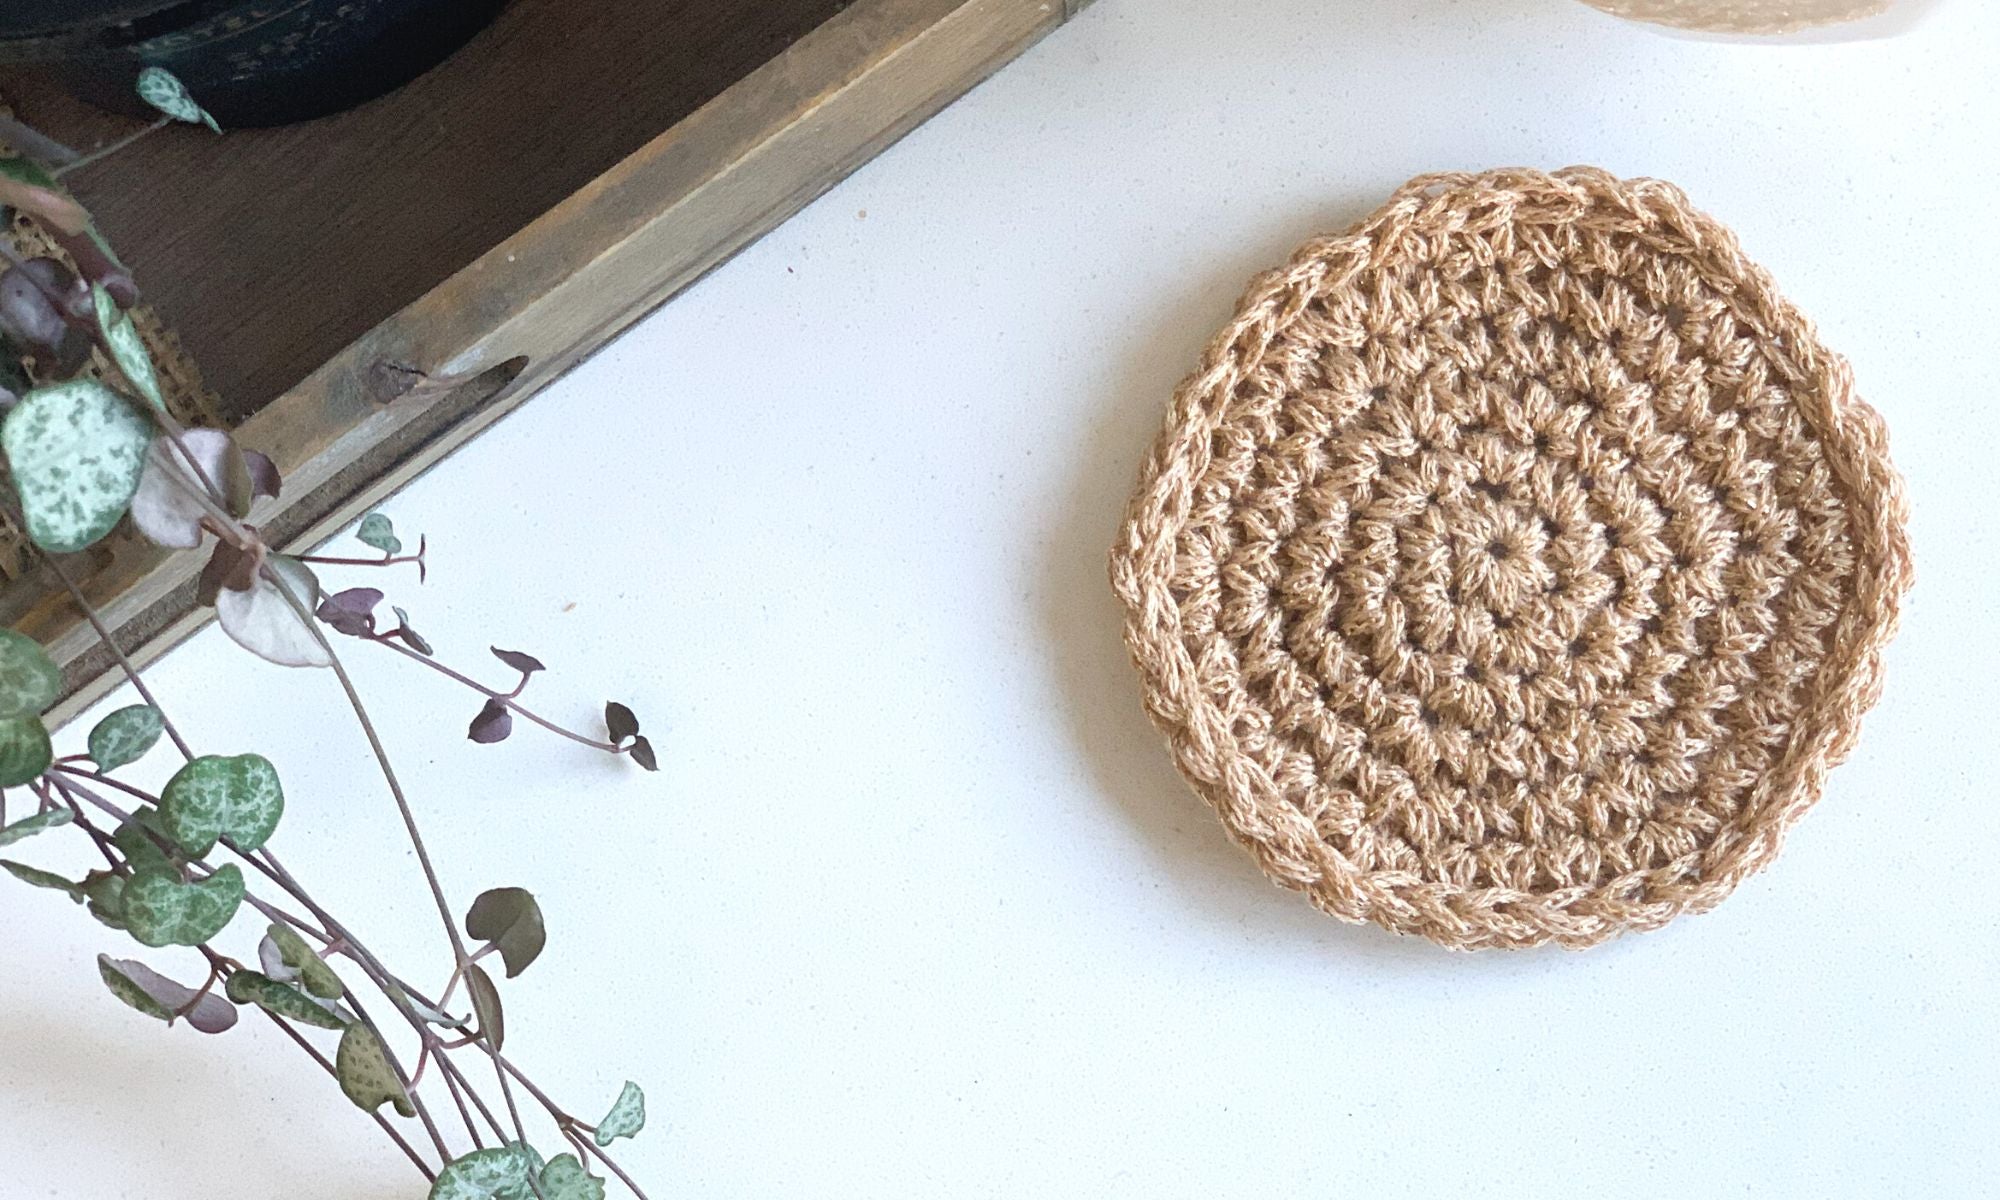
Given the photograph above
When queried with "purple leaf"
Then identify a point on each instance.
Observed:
(351, 612)
(157, 996)
(264, 478)
(227, 568)
(163, 508)
(526, 664)
(620, 723)
(411, 637)
(94, 259)
(27, 313)
(263, 621)
(642, 753)
(493, 724)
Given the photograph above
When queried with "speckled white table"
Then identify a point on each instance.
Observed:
(918, 906)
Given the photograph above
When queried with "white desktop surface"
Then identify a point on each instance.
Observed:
(917, 905)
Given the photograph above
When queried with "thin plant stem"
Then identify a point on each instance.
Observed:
(402, 1079)
(388, 769)
(106, 151)
(506, 698)
(71, 789)
(611, 1165)
(330, 561)
(90, 614)
(565, 1121)
(33, 143)
(416, 1101)
(459, 956)
(458, 1099)
(381, 1120)
(455, 1079)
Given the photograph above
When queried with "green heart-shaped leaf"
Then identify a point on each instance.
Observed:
(627, 1115)
(216, 796)
(77, 449)
(28, 827)
(362, 1066)
(510, 919)
(312, 970)
(125, 736)
(128, 349)
(163, 90)
(566, 1179)
(140, 839)
(42, 879)
(24, 752)
(498, 1173)
(106, 893)
(378, 531)
(29, 682)
(162, 911)
(282, 999)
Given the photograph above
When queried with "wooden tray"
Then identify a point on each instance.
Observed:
(419, 266)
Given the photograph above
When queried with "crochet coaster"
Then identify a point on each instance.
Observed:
(1516, 564)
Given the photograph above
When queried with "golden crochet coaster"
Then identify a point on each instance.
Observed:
(1516, 564)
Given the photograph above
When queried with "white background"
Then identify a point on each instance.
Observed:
(918, 906)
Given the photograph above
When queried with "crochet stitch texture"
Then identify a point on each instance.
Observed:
(1516, 564)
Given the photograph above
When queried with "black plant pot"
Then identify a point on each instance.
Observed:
(249, 62)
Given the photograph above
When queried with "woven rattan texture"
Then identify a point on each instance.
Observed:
(1743, 16)
(1516, 564)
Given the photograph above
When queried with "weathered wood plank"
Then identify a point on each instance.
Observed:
(529, 309)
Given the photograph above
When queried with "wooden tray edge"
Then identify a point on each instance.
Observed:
(425, 381)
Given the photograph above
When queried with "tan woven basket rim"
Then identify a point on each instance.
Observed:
(1254, 807)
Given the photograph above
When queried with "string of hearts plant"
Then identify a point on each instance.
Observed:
(88, 448)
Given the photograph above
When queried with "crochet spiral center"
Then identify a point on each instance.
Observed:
(1516, 564)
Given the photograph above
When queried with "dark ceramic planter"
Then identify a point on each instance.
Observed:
(249, 62)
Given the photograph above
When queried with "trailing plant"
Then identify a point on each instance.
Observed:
(191, 872)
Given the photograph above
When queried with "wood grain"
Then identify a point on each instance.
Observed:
(529, 308)
(326, 229)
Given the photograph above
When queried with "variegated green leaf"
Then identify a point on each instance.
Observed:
(498, 1173)
(362, 1066)
(217, 796)
(140, 839)
(160, 910)
(163, 90)
(76, 449)
(124, 736)
(116, 975)
(378, 531)
(565, 1178)
(311, 969)
(29, 681)
(627, 1115)
(161, 998)
(24, 752)
(106, 895)
(281, 999)
(42, 879)
(28, 827)
(128, 349)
